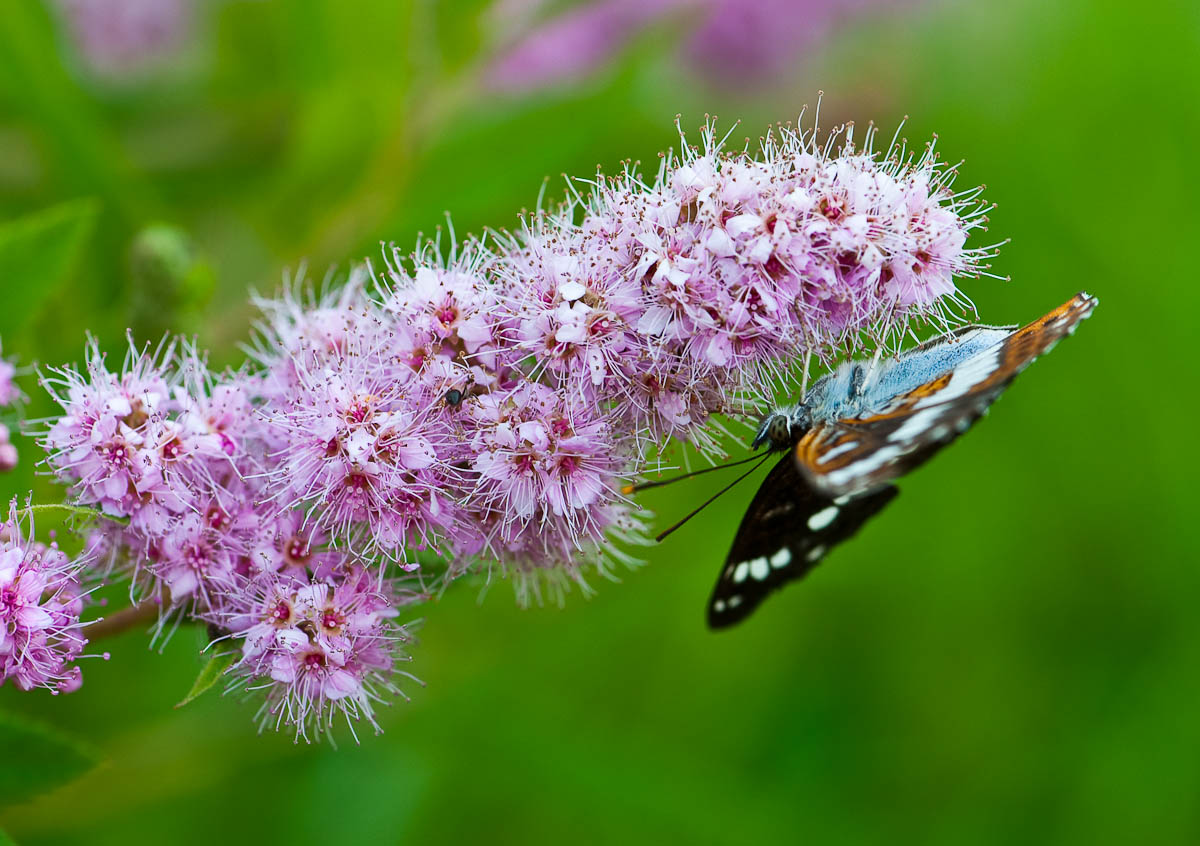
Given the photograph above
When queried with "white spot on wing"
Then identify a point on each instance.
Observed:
(965, 377)
(822, 518)
(916, 425)
(719, 605)
(739, 574)
(735, 601)
(842, 476)
(814, 554)
(782, 558)
(829, 455)
(759, 568)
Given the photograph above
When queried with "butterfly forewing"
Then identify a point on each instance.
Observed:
(787, 530)
(858, 454)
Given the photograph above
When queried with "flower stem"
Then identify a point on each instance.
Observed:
(88, 513)
(123, 620)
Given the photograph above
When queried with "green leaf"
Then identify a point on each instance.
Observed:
(209, 675)
(35, 758)
(5, 840)
(37, 253)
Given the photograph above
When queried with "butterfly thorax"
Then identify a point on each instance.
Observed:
(854, 389)
(830, 397)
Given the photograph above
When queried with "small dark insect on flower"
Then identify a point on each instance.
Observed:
(454, 398)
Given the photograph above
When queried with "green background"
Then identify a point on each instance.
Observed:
(1009, 654)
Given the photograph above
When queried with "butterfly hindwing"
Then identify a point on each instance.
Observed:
(787, 530)
(858, 454)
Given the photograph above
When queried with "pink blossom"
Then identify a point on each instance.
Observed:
(728, 41)
(108, 444)
(303, 327)
(8, 452)
(41, 599)
(362, 446)
(322, 646)
(115, 36)
(10, 394)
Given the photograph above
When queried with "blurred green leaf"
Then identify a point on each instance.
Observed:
(5, 840)
(209, 675)
(35, 758)
(36, 254)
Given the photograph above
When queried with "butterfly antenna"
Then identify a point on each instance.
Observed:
(629, 489)
(713, 498)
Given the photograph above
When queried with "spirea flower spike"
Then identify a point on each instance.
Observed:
(477, 406)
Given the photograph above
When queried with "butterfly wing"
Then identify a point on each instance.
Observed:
(787, 530)
(861, 453)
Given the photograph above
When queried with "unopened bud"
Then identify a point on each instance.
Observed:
(8, 457)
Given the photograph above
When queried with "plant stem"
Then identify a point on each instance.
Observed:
(123, 620)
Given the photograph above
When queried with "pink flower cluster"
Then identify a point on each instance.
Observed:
(407, 423)
(175, 457)
(117, 36)
(675, 300)
(327, 639)
(487, 406)
(481, 406)
(41, 599)
(730, 42)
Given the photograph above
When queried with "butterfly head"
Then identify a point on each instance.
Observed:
(781, 428)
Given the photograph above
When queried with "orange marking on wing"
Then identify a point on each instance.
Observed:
(930, 388)
(806, 448)
(1018, 349)
(820, 441)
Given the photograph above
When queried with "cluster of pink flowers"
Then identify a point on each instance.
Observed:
(328, 640)
(116, 36)
(41, 599)
(481, 409)
(174, 456)
(729, 42)
(672, 301)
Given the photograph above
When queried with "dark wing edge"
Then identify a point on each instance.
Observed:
(788, 529)
(857, 454)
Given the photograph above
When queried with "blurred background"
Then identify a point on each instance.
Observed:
(1009, 654)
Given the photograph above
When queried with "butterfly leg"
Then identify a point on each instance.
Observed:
(863, 376)
(858, 380)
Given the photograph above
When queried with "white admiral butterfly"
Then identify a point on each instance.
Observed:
(856, 430)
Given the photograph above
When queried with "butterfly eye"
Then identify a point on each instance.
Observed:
(779, 430)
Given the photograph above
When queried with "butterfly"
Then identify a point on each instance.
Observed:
(855, 431)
